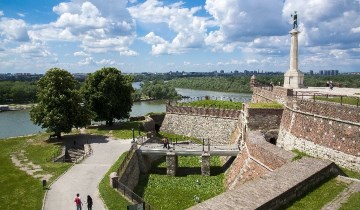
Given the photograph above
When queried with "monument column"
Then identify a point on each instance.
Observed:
(294, 78)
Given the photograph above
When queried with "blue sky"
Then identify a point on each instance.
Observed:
(160, 36)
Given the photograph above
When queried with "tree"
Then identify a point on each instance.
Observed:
(158, 89)
(108, 94)
(59, 107)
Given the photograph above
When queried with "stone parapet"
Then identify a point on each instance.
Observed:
(270, 94)
(203, 111)
(328, 109)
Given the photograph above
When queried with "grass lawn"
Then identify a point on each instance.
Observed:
(19, 190)
(320, 196)
(179, 192)
(353, 202)
(266, 105)
(120, 131)
(112, 197)
(214, 104)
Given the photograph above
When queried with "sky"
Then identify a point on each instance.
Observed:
(190, 35)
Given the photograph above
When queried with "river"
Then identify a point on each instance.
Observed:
(18, 123)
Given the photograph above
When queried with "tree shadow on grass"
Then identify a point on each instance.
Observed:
(78, 139)
(118, 126)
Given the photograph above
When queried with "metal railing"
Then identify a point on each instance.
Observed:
(316, 97)
(131, 195)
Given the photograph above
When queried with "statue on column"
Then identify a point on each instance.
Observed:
(295, 25)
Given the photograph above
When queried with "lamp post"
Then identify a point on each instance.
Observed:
(133, 134)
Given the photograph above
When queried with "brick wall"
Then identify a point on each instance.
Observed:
(263, 119)
(322, 130)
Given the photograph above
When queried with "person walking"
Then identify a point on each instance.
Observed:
(89, 202)
(78, 202)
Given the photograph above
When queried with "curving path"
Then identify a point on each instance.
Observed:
(84, 178)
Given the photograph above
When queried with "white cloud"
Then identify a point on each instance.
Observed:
(80, 53)
(1, 13)
(127, 52)
(190, 29)
(21, 14)
(245, 20)
(105, 62)
(14, 29)
(355, 30)
(31, 50)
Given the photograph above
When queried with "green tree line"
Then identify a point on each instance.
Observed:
(17, 92)
(241, 83)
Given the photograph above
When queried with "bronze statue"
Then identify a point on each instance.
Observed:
(295, 25)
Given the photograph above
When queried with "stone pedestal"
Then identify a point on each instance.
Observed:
(205, 164)
(172, 163)
(294, 78)
(113, 179)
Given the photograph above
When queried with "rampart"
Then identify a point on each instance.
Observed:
(322, 129)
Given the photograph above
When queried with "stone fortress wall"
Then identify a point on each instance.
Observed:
(321, 129)
(202, 123)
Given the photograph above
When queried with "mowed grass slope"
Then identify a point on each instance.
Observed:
(18, 190)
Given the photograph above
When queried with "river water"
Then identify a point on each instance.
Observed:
(17, 123)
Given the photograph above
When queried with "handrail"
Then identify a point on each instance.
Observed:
(132, 195)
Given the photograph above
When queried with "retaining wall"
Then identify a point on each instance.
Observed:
(217, 129)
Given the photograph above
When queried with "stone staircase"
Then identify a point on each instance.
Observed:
(74, 154)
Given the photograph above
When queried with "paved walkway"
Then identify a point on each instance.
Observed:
(84, 178)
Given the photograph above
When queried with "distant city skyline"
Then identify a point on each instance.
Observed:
(193, 36)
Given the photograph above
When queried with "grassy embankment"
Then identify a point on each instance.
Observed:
(213, 104)
(18, 189)
(325, 193)
(112, 198)
(272, 105)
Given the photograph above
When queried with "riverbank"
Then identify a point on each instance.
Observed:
(15, 107)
